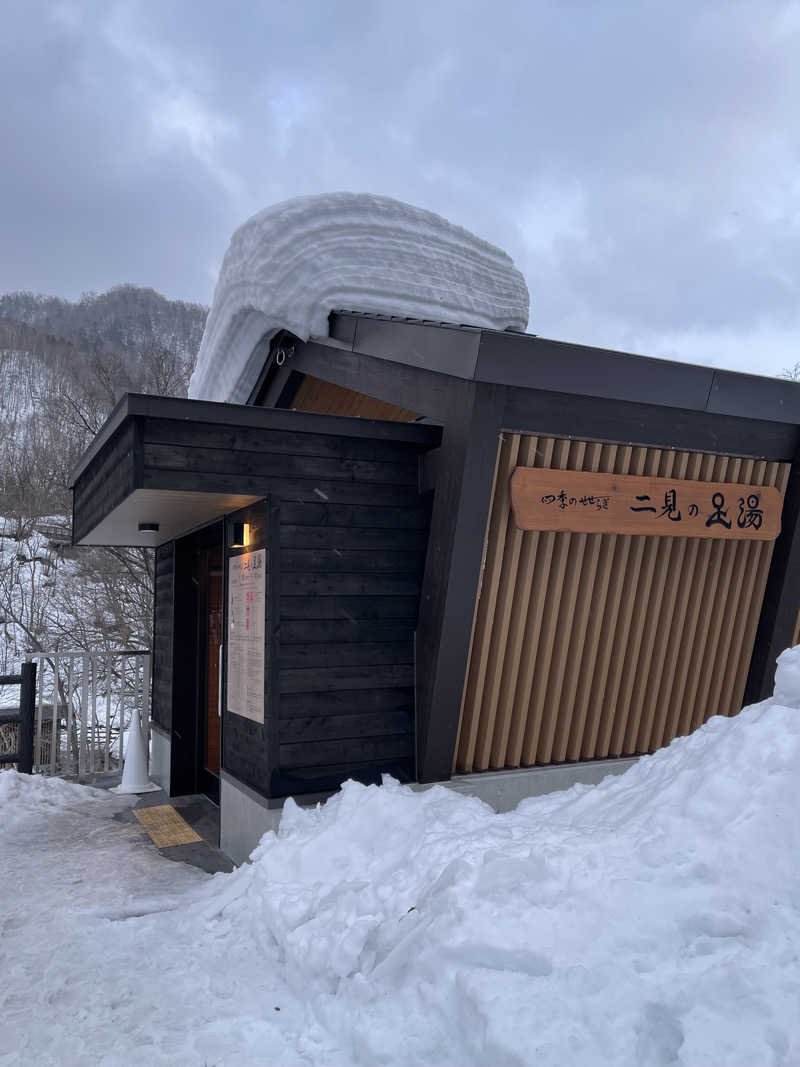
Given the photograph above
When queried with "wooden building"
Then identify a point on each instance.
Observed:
(419, 608)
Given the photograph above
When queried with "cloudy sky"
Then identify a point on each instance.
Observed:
(639, 160)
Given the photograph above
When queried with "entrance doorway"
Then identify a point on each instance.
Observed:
(197, 637)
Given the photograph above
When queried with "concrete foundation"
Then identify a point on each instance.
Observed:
(503, 790)
(245, 815)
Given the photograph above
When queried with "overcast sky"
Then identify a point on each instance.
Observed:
(640, 161)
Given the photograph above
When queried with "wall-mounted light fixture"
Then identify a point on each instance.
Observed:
(241, 535)
(148, 527)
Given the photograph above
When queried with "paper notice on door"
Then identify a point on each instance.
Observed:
(247, 588)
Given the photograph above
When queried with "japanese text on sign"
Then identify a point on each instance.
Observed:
(246, 610)
(589, 502)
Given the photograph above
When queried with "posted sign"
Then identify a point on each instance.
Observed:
(247, 587)
(589, 502)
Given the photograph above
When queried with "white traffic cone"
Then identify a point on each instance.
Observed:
(134, 771)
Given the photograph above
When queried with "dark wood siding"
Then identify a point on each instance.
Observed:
(346, 559)
(110, 478)
(350, 579)
(163, 609)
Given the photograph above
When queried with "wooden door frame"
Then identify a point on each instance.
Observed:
(187, 775)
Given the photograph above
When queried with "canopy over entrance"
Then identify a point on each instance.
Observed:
(161, 467)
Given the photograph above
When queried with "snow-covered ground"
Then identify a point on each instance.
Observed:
(654, 919)
(290, 265)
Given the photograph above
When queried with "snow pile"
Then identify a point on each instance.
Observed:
(290, 265)
(23, 796)
(651, 920)
(787, 678)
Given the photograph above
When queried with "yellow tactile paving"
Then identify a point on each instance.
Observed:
(165, 826)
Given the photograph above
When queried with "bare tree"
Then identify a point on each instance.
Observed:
(61, 372)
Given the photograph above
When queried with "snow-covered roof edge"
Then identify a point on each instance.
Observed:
(292, 264)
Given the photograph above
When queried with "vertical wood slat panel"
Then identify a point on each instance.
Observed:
(619, 568)
(547, 638)
(589, 645)
(723, 623)
(668, 554)
(706, 594)
(720, 615)
(630, 590)
(616, 459)
(681, 663)
(564, 632)
(505, 601)
(576, 646)
(635, 648)
(507, 731)
(678, 559)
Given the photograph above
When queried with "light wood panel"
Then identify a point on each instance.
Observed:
(667, 506)
(589, 645)
(326, 398)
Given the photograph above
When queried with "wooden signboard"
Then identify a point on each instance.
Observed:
(581, 502)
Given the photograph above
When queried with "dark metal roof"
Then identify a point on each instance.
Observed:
(527, 361)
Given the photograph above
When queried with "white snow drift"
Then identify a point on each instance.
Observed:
(651, 920)
(290, 265)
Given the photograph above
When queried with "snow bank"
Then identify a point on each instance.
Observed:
(787, 678)
(290, 265)
(652, 919)
(24, 795)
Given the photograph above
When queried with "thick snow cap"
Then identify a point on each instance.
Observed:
(292, 264)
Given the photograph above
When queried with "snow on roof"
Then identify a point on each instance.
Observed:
(292, 264)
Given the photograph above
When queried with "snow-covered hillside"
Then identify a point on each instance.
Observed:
(128, 319)
(651, 920)
(63, 366)
(292, 264)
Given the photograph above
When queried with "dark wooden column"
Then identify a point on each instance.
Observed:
(781, 598)
(465, 470)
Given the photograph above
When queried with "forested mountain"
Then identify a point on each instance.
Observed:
(127, 319)
(63, 366)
